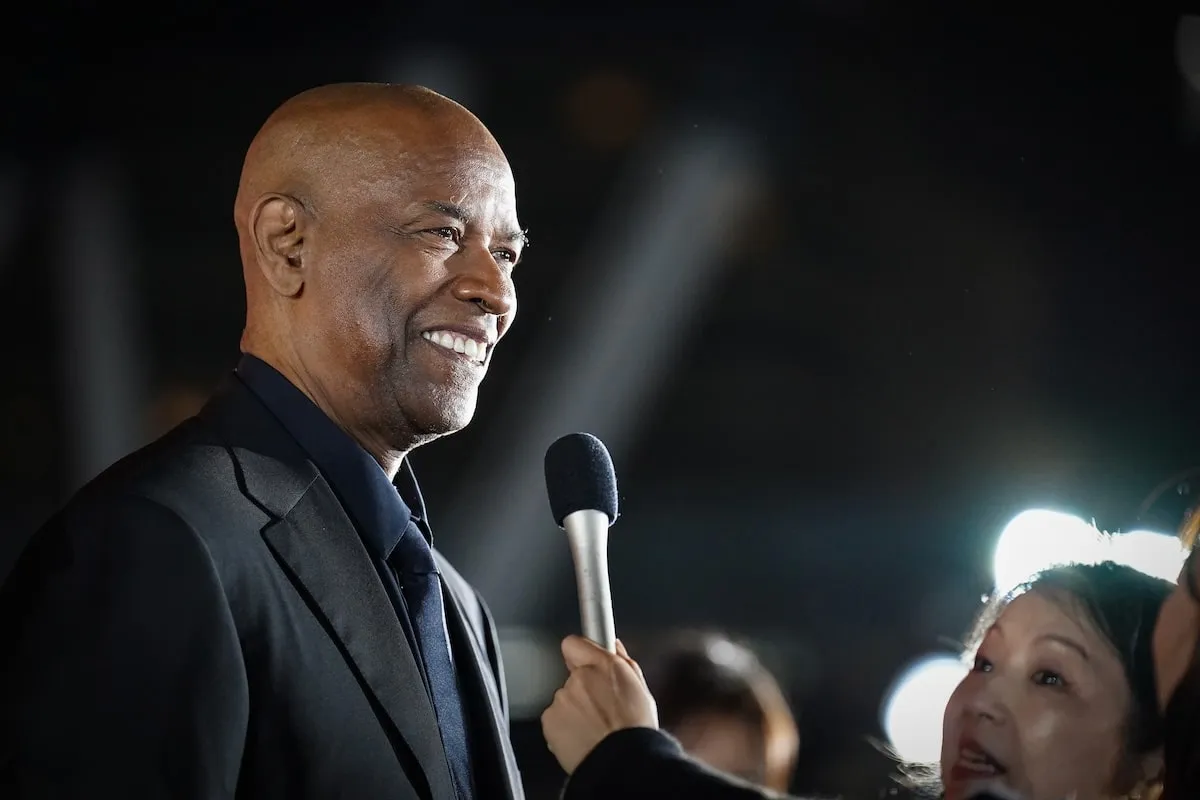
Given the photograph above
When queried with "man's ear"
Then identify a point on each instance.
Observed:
(277, 224)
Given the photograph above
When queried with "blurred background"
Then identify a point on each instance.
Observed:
(843, 286)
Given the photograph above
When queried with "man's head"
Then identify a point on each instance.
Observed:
(378, 233)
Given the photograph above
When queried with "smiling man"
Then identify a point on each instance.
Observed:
(251, 606)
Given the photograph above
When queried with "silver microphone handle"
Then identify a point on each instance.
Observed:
(587, 533)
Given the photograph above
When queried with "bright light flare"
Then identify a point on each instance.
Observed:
(1039, 539)
(1151, 552)
(915, 704)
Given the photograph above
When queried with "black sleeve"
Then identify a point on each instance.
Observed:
(643, 762)
(121, 673)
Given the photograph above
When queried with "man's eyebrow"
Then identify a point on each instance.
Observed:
(459, 213)
(449, 209)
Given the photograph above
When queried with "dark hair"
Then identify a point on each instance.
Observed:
(696, 673)
(1122, 604)
(1181, 752)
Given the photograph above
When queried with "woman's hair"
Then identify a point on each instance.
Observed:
(698, 673)
(1181, 752)
(1122, 605)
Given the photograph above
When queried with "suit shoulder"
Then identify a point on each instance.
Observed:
(127, 535)
(188, 459)
(190, 475)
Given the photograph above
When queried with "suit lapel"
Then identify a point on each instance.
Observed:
(318, 543)
(476, 670)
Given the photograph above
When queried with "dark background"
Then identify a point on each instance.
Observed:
(926, 270)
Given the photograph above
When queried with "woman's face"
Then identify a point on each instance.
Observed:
(1042, 712)
(1177, 632)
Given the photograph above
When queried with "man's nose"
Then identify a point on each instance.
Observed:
(487, 284)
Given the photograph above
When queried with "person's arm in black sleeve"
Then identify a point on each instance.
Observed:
(121, 673)
(647, 763)
(602, 727)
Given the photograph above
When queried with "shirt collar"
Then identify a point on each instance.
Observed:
(380, 509)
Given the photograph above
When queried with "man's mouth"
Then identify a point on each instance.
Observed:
(465, 346)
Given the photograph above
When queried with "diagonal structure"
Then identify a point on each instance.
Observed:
(628, 310)
(104, 369)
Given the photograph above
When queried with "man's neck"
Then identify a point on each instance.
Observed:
(389, 458)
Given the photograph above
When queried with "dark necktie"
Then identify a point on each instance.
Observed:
(422, 586)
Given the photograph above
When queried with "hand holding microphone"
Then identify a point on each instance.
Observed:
(605, 691)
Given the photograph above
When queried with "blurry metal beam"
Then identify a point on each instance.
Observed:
(617, 326)
(104, 371)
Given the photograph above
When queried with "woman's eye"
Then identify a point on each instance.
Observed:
(1045, 677)
(982, 664)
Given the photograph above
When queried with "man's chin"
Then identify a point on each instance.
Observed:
(447, 417)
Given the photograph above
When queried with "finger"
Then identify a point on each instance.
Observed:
(637, 669)
(548, 725)
(624, 654)
(580, 652)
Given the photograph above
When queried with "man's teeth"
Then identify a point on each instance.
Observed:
(459, 344)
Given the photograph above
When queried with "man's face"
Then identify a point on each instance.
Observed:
(410, 281)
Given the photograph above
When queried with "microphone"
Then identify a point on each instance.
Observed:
(582, 487)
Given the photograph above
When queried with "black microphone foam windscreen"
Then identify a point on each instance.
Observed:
(580, 476)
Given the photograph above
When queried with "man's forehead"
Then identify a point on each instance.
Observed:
(449, 164)
(466, 181)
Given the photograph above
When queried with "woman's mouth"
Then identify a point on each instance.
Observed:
(974, 762)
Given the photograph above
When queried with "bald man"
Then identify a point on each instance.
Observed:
(251, 606)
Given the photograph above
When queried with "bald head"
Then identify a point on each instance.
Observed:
(378, 232)
(330, 138)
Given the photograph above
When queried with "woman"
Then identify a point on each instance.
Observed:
(1063, 681)
(1061, 703)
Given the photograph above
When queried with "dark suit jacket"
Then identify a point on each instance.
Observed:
(644, 763)
(203, 621)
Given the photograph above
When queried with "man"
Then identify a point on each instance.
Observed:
(249, 607)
